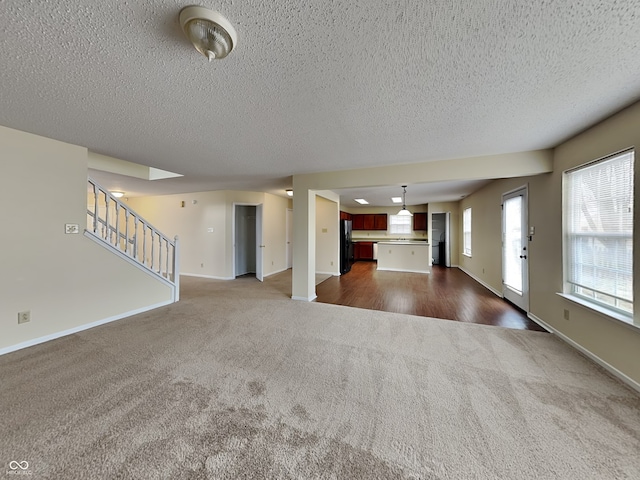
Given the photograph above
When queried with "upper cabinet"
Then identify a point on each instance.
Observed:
(380, 221)
(420, 221)
(369, 221)
(345, 216)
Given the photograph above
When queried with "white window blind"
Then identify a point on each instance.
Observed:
(466, 231)
(400, 224)
(599, 232)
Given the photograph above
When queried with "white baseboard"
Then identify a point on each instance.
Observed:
(484, 284)
(87, 326)
(304, 299)
(276, 272)
(608, 367)
(333, 274)
(206, 276)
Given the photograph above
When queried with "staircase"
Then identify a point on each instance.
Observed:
(114, 225)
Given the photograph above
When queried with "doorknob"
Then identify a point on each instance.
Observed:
(523, 256)
(261, 246)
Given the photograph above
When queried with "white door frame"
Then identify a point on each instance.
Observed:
(289, 238)
(259, 244)
(520, 299)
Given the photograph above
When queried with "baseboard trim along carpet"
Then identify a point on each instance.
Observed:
(212, 277)
(608, 367)
(87, 326)
(304, 299)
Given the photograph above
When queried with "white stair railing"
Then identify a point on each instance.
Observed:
(114, 223)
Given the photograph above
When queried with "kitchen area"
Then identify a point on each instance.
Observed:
(397, 243)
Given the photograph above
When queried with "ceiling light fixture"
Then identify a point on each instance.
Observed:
(118, 194)
(290, 192)
(404, 212)
(361, 201)
(211, 33)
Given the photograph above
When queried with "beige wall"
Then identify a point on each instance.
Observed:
(616, 344)
(327, 237)
(209, 253)
(66, 281)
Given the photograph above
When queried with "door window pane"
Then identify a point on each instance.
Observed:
(513, 243)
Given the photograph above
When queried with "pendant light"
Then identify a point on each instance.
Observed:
(211, 33)
(404, 212)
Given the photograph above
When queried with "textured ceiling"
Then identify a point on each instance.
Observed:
(315, 85)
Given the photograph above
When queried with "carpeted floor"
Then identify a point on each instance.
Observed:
(239, 381)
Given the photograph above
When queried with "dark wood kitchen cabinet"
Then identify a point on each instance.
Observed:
(380, 221)
(363, 251)
(369, 221)
(420, 221)
(345, 216)
(357, 221)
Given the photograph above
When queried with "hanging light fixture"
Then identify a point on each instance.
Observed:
(404, 212)
(211, 33)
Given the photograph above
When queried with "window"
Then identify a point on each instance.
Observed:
(466, 231)
(400, 224)
(598, 214)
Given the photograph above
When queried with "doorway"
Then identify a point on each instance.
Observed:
(515, 251)
(248, 240)
(440, 239)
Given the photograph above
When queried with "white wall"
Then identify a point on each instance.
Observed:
(211, 253)
(66, 281)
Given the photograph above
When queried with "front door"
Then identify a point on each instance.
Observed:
(515, 248)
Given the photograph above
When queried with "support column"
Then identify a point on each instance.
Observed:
(304, 243)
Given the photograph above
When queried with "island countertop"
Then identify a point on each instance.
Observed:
(404, 256)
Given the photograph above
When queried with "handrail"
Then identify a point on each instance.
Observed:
(121, 227)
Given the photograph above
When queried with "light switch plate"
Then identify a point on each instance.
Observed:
(71, 228)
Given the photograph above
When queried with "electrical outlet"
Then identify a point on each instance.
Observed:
(271, 262)
(71, 228)
(24, 317)
(202, 265)
(483, 270)
(566, 314)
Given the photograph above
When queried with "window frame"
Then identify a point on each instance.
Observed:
(569, 287)
(392, 223)
(466, 248)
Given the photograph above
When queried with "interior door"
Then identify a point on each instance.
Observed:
(447, 239)
(259, 244)
(289, 238)
(515, 248)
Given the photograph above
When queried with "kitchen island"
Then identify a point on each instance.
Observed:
(404, 256)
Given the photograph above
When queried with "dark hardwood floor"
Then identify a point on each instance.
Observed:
(444, 293)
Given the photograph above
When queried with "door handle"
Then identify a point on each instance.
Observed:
(261, 246)
(523, 256)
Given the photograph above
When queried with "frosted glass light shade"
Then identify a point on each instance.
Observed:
(405, 213)
(211, 34)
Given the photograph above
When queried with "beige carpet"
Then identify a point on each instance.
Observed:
(238, 381)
